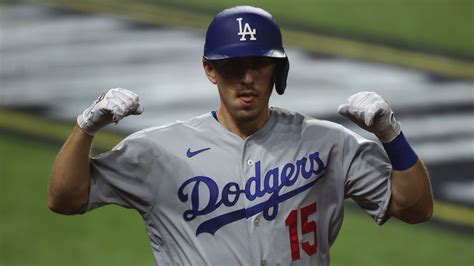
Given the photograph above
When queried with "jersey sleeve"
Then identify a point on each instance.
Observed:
(367, 176)
(124, 176)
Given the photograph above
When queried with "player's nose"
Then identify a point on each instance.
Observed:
(248, 77)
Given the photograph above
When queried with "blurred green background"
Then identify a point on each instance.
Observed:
(30, 234)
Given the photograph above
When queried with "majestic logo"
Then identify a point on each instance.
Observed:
(246, 30)
(205, 196)
(190, 153)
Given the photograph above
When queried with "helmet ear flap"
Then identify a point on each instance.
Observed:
(281, 74)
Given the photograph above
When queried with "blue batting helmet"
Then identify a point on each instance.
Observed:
(247, 31)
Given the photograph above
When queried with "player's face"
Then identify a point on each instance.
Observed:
(245, 85)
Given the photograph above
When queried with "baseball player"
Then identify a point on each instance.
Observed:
(246, 184)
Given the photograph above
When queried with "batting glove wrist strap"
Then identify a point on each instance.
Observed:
(110, 107)
(400, 153)
(391, 131)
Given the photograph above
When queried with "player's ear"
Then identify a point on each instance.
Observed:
(210, 71)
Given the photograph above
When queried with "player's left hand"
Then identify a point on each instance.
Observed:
(372, 113)
(110, 107)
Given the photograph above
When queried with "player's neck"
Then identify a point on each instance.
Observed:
(242, 128)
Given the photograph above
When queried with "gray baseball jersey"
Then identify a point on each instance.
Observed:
(208, 197)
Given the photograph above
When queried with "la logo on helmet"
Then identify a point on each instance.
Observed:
(246, 30)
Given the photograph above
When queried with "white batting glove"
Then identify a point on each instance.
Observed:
(372, 113)
(110, 107)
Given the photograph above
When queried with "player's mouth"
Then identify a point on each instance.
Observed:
(247, 98)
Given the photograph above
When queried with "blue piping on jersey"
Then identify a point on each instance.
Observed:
(214, 114)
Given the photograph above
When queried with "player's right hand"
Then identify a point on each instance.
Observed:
(110, 107)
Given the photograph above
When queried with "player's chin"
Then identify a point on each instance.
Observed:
(246, 114)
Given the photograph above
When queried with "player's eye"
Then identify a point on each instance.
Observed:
(235, 67)
(229, 68)
(261, 62)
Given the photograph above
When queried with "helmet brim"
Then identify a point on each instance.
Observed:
(244, 51)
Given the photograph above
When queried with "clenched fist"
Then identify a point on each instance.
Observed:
(372, 113)
(110, 107)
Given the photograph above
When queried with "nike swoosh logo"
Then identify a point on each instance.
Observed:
(190, 153)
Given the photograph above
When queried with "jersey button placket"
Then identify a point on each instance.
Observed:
(248, 165)
(248, 144)
(247, 149)
(256, 221)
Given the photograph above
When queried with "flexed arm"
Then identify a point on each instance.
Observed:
(69, 184)
(412, 199)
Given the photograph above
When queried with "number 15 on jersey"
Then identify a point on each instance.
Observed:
(306, 227)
